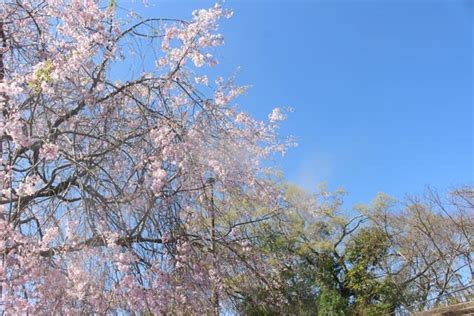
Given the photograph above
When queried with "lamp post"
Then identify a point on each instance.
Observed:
(212, 211)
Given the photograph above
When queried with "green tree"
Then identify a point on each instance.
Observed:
(328, 264)
(373, 292)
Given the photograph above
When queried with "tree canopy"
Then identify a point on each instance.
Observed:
(132, 183)
(390, 257)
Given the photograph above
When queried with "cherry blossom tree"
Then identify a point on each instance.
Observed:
(128, 173)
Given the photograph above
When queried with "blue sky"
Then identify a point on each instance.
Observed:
(382, 90)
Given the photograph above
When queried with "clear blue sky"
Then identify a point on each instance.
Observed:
(382, 90)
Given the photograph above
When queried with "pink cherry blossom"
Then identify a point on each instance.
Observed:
(119, 178)
(49, 151)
